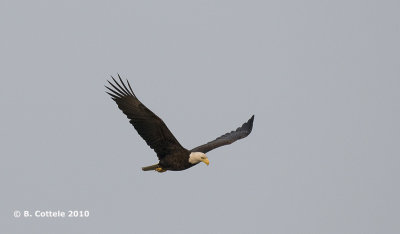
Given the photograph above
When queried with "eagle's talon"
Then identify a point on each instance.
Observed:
(160, 170)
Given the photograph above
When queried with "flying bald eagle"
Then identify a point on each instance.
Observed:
(172, 156)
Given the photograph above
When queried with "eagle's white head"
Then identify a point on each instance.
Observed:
(197, 157)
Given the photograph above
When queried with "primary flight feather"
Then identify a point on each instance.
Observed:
(172, 156)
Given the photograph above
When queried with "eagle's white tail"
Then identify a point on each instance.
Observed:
(150, 168)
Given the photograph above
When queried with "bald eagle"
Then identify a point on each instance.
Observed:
(172, 156)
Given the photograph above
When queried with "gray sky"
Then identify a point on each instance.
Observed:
(321, 77)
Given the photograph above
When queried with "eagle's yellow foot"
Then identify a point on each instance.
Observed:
(159, 169)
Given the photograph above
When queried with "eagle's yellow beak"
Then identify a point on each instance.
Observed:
(206, 161)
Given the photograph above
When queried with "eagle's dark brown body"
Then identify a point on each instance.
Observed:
(176, 161)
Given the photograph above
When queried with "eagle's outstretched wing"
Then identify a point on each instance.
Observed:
(228, 138)
(149, 126)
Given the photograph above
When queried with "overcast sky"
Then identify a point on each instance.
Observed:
(321, 77)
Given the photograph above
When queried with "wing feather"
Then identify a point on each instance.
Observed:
(227, 138)
(149, 126)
